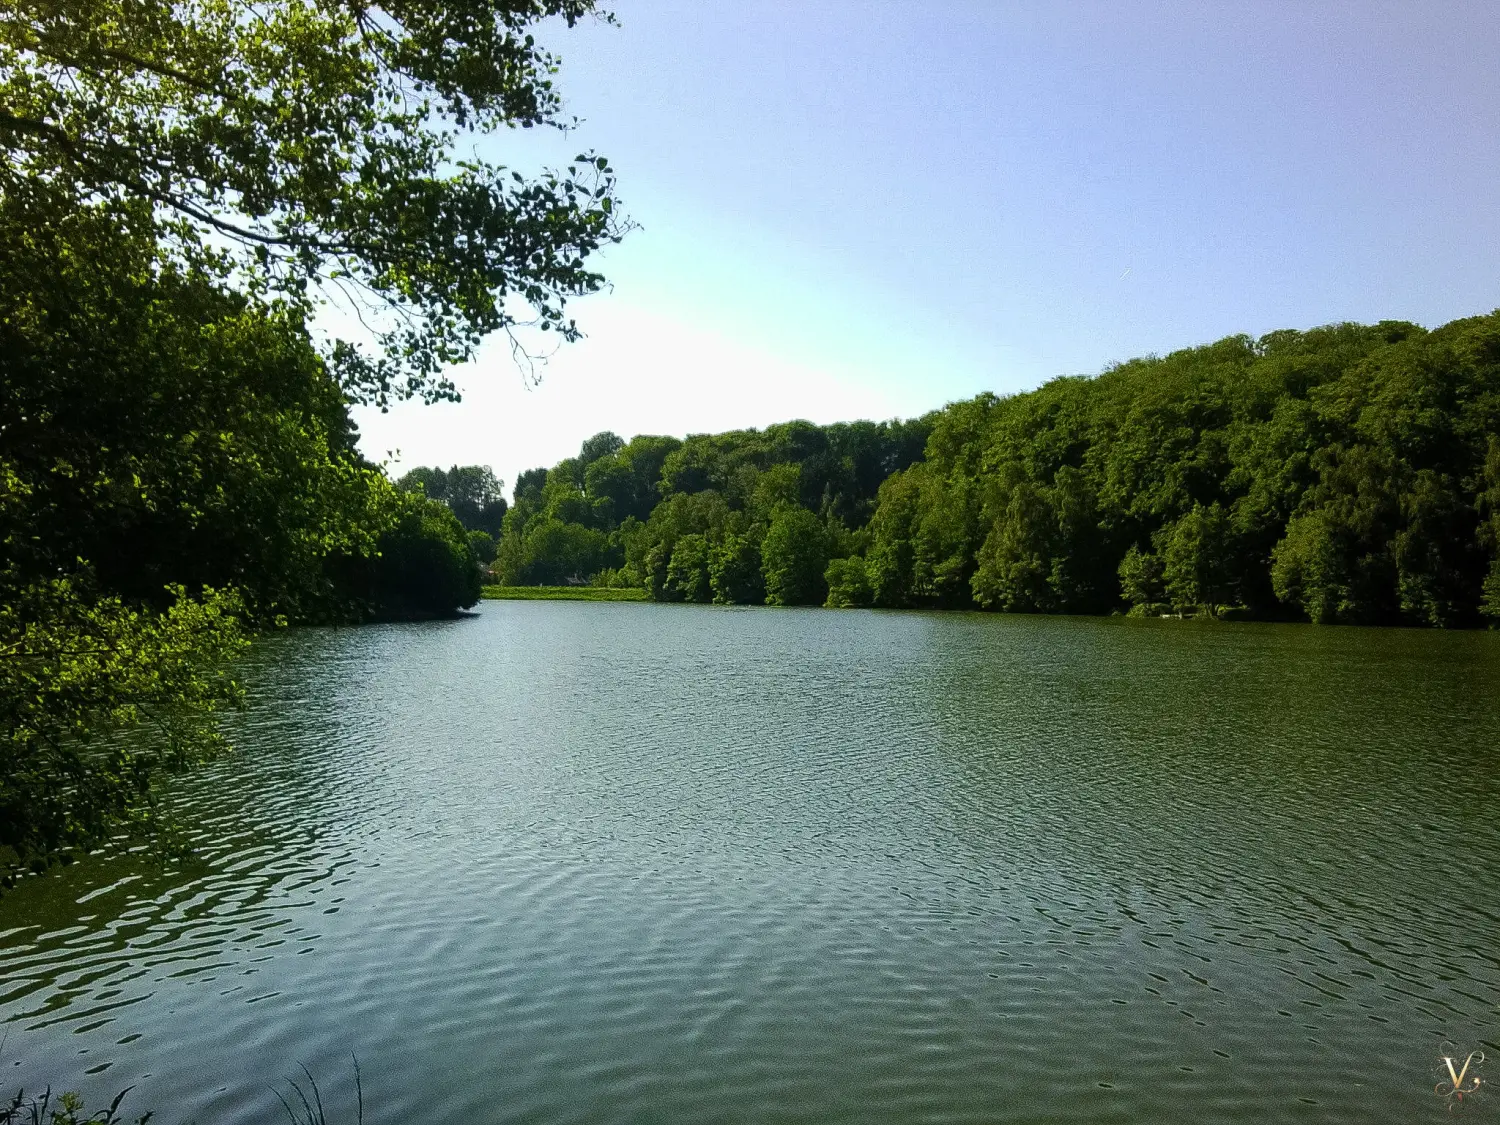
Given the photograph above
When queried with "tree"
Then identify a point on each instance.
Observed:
(848, 583)
(529, 485)
(649, 551)
(1197, 557)
(688, 577)
(316, 145)
(1487, 508)
(603, 444)
(1015, 562)
(473, 492)
(735, 568)
(1141, 577)
(1338, 472)
(778, 487)
(1308, 569)
(482, 544)
(426, 566)
(166, 430)
(609, 488)
(184, 180)
(1348, 473)
(794, 555)
(890, 561)
(551, 552)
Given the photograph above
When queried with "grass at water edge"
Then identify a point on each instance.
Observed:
(564, 593)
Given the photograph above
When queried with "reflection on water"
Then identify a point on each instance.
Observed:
(622, 862)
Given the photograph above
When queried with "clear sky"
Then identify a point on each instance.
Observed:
(868, 208)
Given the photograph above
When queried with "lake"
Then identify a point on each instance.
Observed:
(570, 862)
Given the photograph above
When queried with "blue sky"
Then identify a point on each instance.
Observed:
(870, 209)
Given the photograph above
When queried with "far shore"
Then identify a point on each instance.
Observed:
(565, 593)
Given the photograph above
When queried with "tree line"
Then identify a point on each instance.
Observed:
(1347, 474)
(742, 517)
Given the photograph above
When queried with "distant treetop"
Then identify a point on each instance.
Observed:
(473, 492)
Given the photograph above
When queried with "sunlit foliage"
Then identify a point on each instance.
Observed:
(1344, 474)
(77, 673)
(316, 146)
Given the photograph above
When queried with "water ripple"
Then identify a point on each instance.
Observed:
(603, 863)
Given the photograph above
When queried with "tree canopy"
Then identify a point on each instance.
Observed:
(1342, 474)
(177, 467)
(618, 511)
(316, 144)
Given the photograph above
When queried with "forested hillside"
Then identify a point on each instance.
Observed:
(749, 516)
(1344, 474)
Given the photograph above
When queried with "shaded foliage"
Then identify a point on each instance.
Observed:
(164, 428)
(160, 434)
(426, 566)
(77, 672)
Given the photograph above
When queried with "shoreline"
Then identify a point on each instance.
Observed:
(563, 593)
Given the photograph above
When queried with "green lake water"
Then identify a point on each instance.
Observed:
(569, 862)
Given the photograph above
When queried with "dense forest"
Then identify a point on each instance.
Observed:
(1345, 474)
(748, 516)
